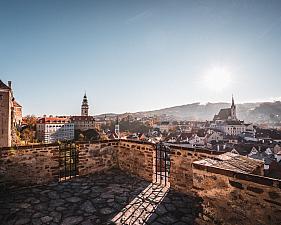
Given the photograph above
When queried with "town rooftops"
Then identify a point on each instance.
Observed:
(16, 104)
(223, 114)
(53, 120)
(82, 118)
(3, 86)
(233, 162)
(234, 122)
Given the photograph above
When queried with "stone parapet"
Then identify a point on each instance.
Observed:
(232, 197)
(96, 156)
(137, 158)
(29, 166)
(181, 177)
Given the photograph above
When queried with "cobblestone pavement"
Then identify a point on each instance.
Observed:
(112, 197)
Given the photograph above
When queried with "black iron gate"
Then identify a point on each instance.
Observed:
(162, 164)
(68, 161)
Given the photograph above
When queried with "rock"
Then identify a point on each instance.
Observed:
(88, 207)
(53, 195)
(170, 207)
(187, 219)
(46, 219)
(161, 210)
(41, 207)
(110, 200)
(60, 208)
(24, 205)
(37, 215)
(66, 195)
(106, 211)
(32, 200)
(86, 191)
(36, 221)
(107, 195)
(167, 220)
(22, 221)
(72, 220)
(57, 202)
(121, 199)
(56, 216)
(73, 199)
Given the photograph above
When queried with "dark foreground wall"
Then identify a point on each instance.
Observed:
(29, 165)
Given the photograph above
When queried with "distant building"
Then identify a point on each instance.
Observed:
(163, 126)
(10, 115)
(232, 128)
(226, 121)
(53, 129)
(17, 113)
(227, 114)
(84, 122)
(212, 136)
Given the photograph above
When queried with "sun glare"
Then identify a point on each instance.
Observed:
(217, 78)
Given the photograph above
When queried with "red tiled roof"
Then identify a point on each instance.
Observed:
(53, 120)
(82, 118)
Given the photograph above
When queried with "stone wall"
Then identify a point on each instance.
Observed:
(5, 117)
(237, 198)
(29, 165)
(137, 158)
(97, 156)
(181, 177)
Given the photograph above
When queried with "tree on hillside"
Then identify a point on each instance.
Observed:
(27, 133)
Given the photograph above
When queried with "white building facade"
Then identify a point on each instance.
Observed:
(54, 129)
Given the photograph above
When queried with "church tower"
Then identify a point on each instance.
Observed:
(85, 106)
(233, 110)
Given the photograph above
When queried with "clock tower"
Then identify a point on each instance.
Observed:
(85, 106)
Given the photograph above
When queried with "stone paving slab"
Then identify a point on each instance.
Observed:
(98, 199)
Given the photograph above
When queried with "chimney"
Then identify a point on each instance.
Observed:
(10, 84)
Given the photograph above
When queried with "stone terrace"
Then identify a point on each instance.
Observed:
(205, 187)
(98, 199)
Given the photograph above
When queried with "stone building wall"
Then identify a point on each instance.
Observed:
(29, 165)
(5, 117)
(137, 158)
(181, 175)
(97, 156)
(237, 198)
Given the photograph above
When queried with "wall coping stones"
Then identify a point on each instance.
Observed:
(199, 150)
(24, 147)
(267, 181)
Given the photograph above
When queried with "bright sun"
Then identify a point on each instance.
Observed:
(217, 78)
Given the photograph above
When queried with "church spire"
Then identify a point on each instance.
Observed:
(233, 110)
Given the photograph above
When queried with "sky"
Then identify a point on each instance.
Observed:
(132, 55)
